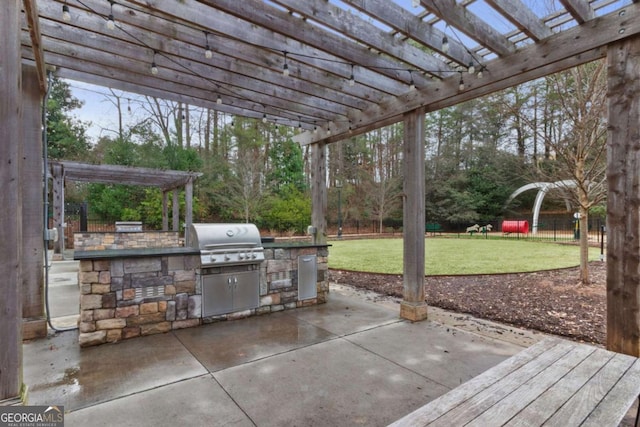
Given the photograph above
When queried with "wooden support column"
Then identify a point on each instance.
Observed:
(319, 192)
(33, 314)
(623, 200)
(10, 201)
(165, 211)
(176, 211)
(57, 172)
(413, 306)
(188, 207)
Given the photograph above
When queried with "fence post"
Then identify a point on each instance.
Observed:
(554, 230)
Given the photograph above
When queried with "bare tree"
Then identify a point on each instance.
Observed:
(246, 189)
(574, 133)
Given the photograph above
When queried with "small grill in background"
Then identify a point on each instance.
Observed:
(229, 274)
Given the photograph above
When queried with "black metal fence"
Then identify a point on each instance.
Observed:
(557, 228)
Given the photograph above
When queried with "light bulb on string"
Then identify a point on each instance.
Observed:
(66, 16)
(154, 67)
(352, 79)
(412, 84)
(461, 83)
(480, 75)
(285, 67)
(207, 49)
(264, 118)
(219, 100)
(111, 23)
(445, 44)
(472, 68)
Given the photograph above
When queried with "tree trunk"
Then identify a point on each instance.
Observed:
(584, 246)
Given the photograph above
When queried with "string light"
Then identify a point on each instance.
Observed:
(471, 69)
(352, 79)
(480, 75)
(461, 84)
(66, 16)
(264, 118)
(207, 52)
(285, 67)
(154, 67)
(328, 129)
(111, 23)
(315, 128)
(219, 100)
(445, 44)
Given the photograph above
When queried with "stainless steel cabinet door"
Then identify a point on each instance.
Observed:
(307, 276)
(246, 290)
(217, 294)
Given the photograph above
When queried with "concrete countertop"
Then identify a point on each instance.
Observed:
(133, 253)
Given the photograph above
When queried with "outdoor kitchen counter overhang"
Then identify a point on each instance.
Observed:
(126, 293)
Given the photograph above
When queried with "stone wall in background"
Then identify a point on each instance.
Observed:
(135, 240)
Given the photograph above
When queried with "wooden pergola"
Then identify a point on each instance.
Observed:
(166, 180)
(334, 70)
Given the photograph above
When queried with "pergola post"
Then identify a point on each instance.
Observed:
(165, 211)
(623, 200)
(57, 172)
(319, 192)
(188, 202)
(176, 211)
(11, 201)
(34, 322)
(413, 306)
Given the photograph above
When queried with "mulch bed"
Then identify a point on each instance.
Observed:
(551, 301)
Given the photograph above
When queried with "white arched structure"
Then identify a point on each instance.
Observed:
(543, 188)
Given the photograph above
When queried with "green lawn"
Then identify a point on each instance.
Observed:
(456, 256)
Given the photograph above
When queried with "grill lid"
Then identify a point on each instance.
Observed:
(226, 244)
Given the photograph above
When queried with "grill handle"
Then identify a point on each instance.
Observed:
(230, 245)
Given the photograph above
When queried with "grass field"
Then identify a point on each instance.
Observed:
(456, 256)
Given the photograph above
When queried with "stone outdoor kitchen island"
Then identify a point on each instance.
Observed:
(143, 283)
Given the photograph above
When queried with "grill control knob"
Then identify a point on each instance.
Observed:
(240, 256)
(226, 257)
(253, 256)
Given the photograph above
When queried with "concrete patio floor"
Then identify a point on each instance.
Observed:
(350, 361)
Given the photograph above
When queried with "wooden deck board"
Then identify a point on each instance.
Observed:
(554, 382)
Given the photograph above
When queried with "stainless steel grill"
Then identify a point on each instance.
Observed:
(227, 244)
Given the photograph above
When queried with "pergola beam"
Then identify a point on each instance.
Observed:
(580, 10)
(31, 13)
(411, 26)
(368, 34)
(462, 19)
(522, 17)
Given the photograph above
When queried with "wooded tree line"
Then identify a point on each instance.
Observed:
(478, 153)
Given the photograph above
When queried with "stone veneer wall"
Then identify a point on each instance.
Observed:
(279, 278)
(123, 298)
(134, 240)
